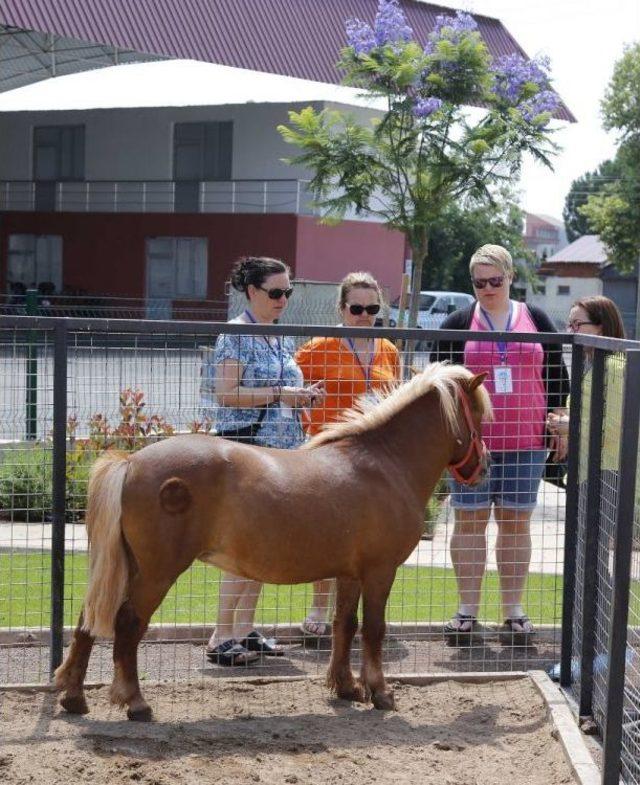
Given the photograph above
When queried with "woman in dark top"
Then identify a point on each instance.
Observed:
(526, 381)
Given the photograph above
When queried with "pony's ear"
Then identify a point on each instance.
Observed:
(477, 380)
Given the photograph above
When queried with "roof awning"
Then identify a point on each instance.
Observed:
(300, 38)
(27, 56)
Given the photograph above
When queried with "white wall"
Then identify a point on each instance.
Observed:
(137, 144)
(558, 305)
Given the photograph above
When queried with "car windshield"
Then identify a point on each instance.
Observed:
(426, 301)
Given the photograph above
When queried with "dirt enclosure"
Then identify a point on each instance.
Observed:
(239, 731)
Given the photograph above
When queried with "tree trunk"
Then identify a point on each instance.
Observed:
(419, 252)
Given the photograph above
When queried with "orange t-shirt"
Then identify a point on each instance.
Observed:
(332, 361)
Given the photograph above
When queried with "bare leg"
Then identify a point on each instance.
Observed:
(345, 623)
(375, 592)
(469, 555)
(71, 674)
(513, 556)
(236, 608)
(316, 621)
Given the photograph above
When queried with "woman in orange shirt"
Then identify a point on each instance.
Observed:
(349, 368)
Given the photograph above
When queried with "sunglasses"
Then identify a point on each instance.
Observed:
(358, 310)
(494, 283)
(276, 294)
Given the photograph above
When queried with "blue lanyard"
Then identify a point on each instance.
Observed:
(366, 370)
(502, 345)
(277, 353)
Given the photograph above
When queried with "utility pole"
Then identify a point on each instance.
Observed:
(637, 324)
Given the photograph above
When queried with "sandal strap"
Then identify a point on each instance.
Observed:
(464, 618)
(225, 646)
(521, 620)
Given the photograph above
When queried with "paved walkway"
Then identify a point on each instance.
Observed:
(547, 535)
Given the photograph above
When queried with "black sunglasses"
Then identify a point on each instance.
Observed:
(276, 294)
(495, 282)
(358, 310)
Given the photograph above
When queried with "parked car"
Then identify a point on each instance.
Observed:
(434, 308)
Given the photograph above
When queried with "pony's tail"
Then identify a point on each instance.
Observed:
(108, 566)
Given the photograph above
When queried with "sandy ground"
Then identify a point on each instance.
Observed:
(293, 732)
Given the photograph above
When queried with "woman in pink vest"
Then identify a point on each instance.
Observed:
(526, 381)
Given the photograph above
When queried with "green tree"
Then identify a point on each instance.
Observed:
(614, 212)
(427, 151)
(575, 223)
(461, 230)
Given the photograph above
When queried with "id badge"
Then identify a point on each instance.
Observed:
(502, 379)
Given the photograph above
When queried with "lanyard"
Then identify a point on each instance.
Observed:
(502, 345)
(366, 369)
(277, 353)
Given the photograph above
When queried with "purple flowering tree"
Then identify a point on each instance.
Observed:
(428, 149)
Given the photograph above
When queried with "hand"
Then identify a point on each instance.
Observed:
(300, 397)
(317, 392)
(559, 447)
(558, 424)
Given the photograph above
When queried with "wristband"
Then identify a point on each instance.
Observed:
(277, 393)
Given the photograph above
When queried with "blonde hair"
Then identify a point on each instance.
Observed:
(493, 254)
(374, 410)
(359, 280)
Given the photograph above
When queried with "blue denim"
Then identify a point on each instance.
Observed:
(512, 482)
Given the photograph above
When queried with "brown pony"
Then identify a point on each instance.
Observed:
(350, 505)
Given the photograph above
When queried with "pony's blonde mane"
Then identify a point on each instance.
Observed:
(370, 412)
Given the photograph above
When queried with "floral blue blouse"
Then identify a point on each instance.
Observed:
(265, 362)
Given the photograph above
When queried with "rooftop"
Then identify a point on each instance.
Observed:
(587, 249)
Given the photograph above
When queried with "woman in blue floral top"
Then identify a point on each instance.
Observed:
(253, 380)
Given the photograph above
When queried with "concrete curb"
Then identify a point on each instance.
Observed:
(286, 632)
(575, 749)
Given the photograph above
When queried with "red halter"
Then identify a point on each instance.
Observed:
(476, 445)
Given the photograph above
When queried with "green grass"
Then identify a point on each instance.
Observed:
(419, 594)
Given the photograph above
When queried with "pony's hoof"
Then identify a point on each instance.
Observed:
(144, 714)
(357, 693)
(384, 701)
(74, 704)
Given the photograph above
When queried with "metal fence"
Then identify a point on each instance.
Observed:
(159, 196)
(601, 642)
(70, 385)
(35, 303)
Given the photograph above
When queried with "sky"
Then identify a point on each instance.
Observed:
(583, 39)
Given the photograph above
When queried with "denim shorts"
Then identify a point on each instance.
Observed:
(512, 482)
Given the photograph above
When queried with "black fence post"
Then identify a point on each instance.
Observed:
(571, 515)
(59, 492)
(31, 387)
(589, 555)
(623, 541)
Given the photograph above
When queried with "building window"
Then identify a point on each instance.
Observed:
(201, 152)
(35, 260)
(177, 268)
(58, 156)
(563, 290)
(58, 153)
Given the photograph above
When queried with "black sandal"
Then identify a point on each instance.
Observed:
(462, 634)
(265, 646)
(520, 637)
(230, 653)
